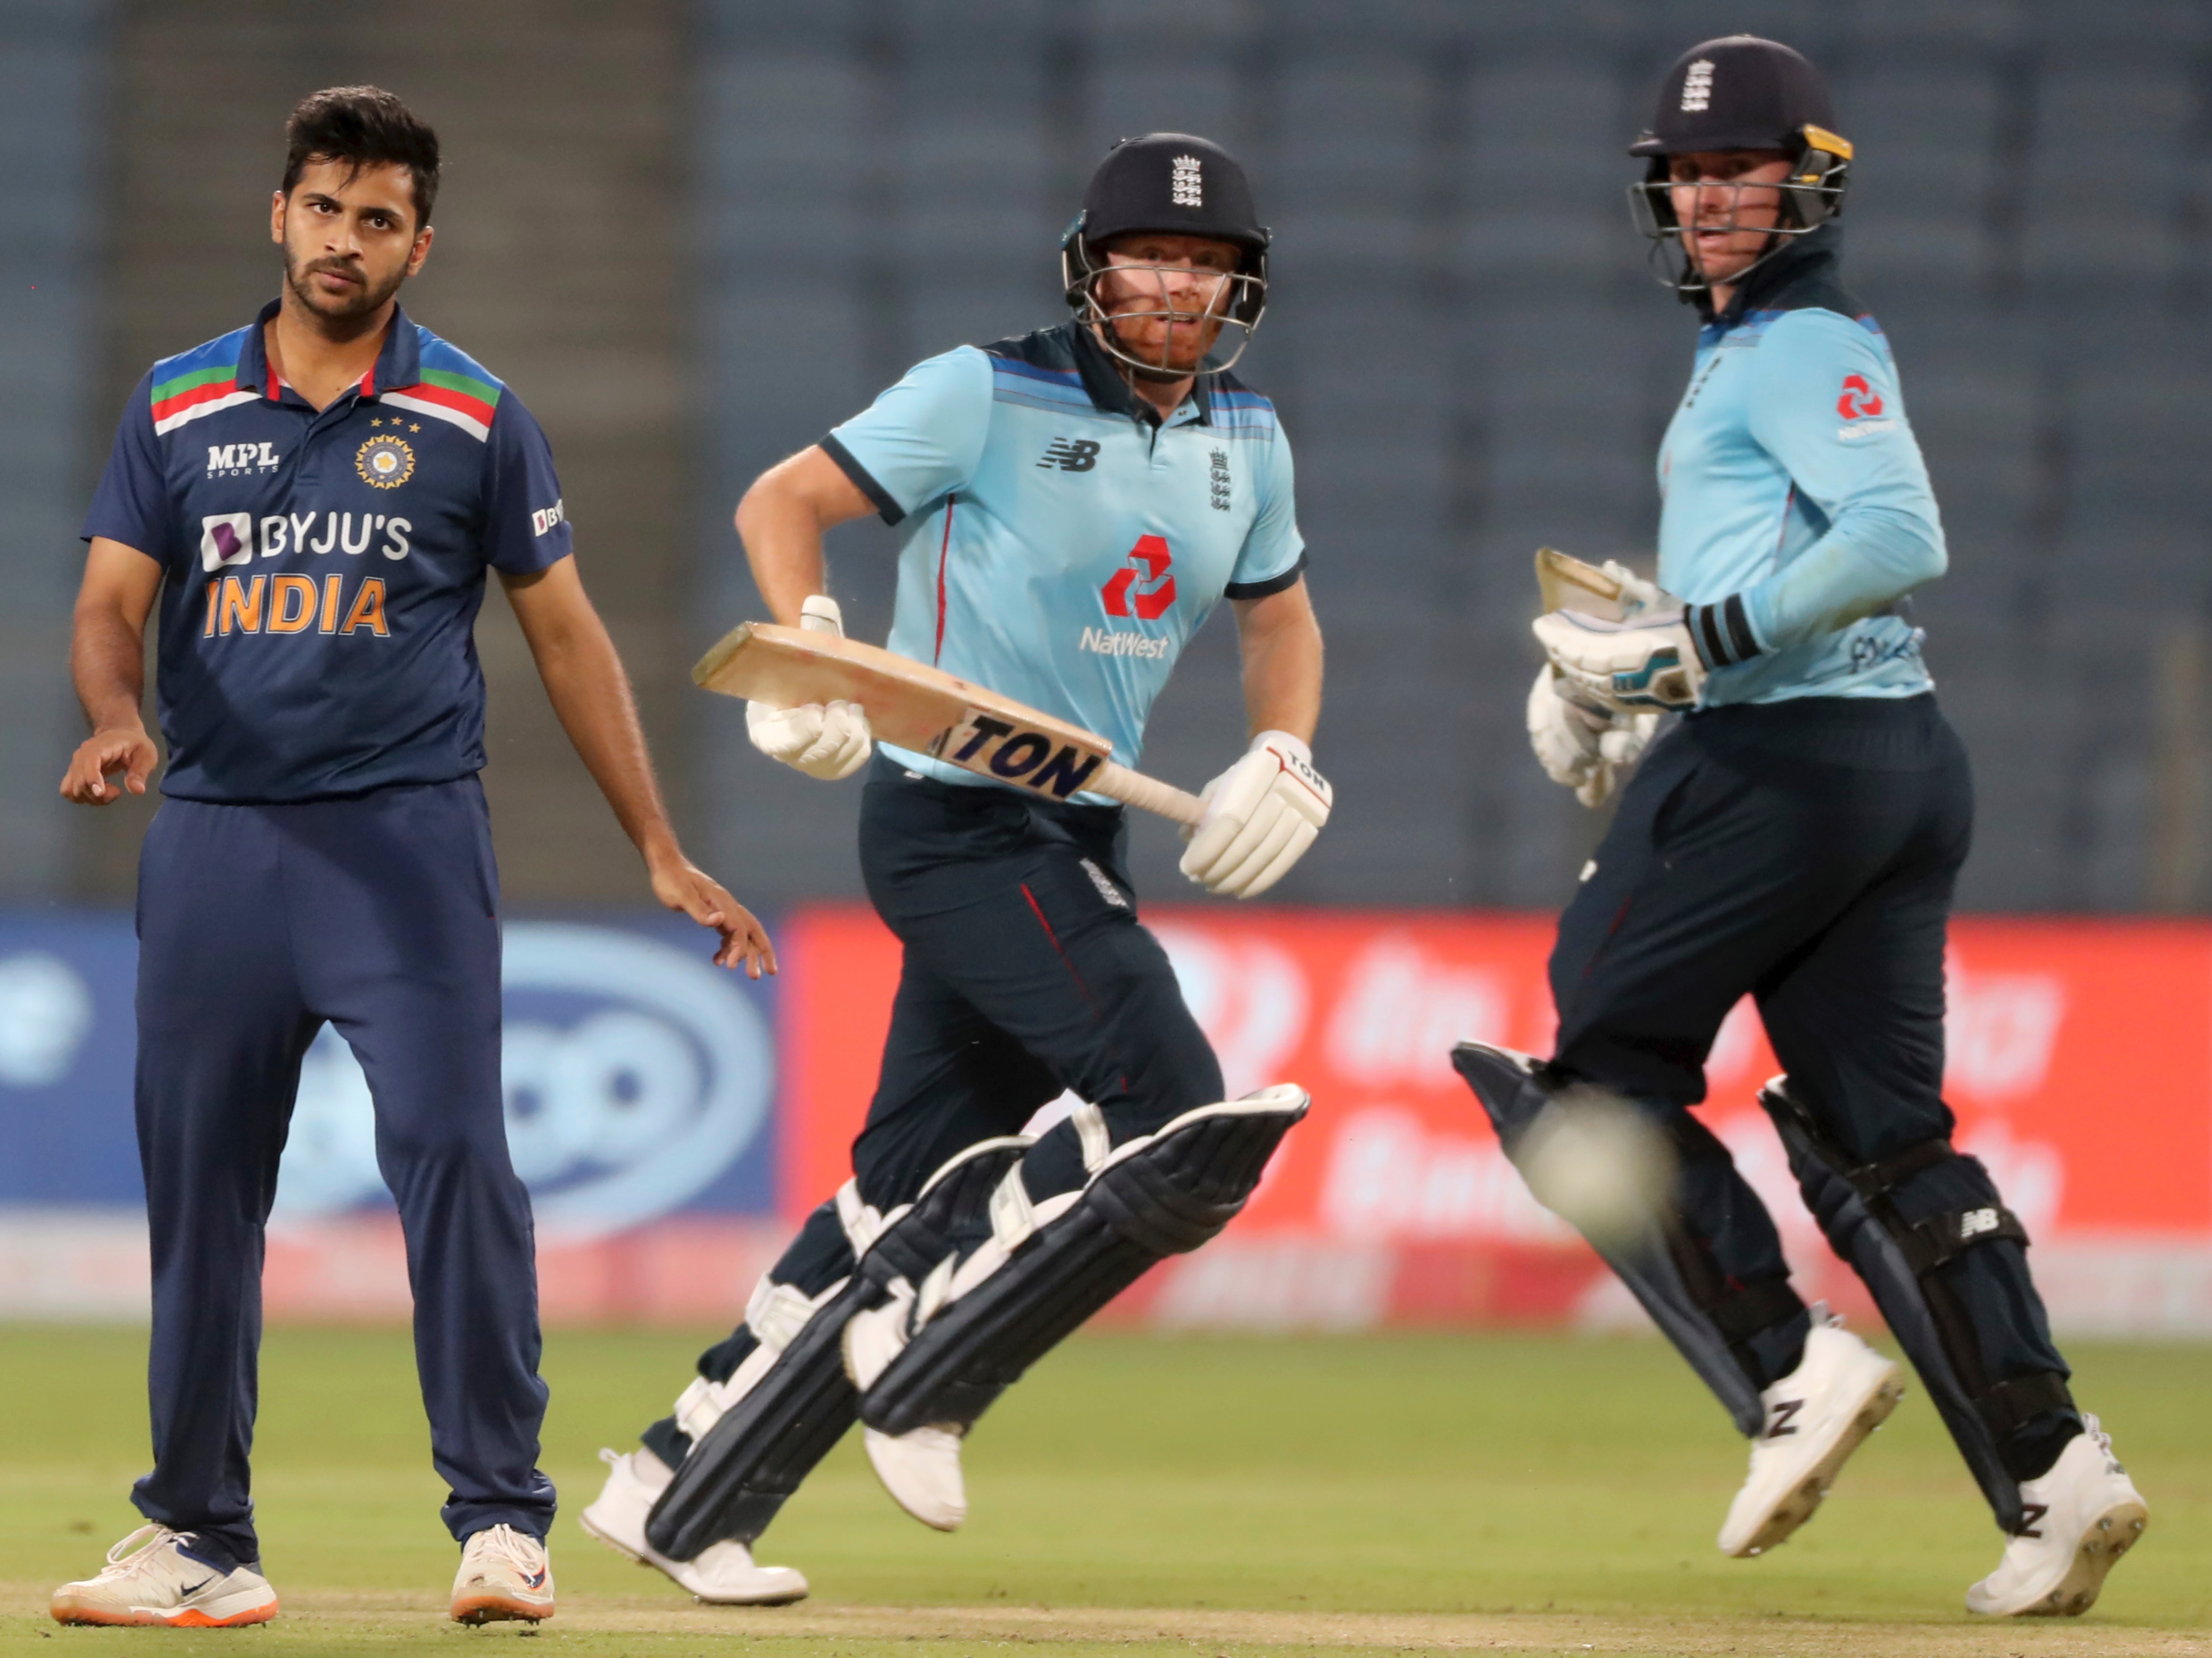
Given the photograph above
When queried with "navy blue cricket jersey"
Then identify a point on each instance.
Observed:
(324, 569)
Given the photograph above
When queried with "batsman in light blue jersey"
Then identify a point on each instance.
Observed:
(1072, 505)
(1796, 838)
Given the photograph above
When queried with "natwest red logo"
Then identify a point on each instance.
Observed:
(1860, 401)
(1144, 593)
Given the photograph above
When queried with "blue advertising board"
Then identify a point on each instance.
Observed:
(639, 1079)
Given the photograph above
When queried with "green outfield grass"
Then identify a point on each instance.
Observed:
(1226, 1494)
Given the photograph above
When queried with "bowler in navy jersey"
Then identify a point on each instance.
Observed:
(314, 499)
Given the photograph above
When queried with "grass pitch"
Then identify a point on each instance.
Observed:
(1141, 1494)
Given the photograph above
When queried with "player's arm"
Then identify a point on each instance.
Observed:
(590, 693)
(782, 522)
(1826, 404)
(1265, 811)
(916, 444)
(1279, 640)
(108, 661)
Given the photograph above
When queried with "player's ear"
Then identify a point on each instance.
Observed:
(420, 250)
(276, 217)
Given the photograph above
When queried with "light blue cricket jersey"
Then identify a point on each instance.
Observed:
(1796, 504)
(1061, 547)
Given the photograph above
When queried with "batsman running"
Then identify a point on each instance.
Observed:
(1796, 838)
(1073, 503)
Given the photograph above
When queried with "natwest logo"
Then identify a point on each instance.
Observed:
(1859, 401)
(1145, 594)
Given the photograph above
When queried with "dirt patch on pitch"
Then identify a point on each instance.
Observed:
(1216, 1630)
(325, 1621)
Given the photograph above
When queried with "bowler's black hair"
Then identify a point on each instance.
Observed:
(363, 126)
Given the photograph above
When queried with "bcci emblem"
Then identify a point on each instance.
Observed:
(385, 463)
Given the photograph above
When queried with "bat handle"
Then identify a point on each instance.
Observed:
(1148, 794)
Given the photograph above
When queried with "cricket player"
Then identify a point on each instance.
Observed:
(315, 498)
(1796, 838)
(1073, 503)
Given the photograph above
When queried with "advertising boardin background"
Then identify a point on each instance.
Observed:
(673, 1120)
(640, 1096)
(2080, 1066)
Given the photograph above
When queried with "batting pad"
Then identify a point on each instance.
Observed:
(1898, 1224)
(1049, 1267)
(739, 1474)
(1667, 1271)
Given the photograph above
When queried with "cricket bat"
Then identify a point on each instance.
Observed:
(1567, 583)
(913, 705)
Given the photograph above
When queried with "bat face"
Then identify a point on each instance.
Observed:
(909, 705)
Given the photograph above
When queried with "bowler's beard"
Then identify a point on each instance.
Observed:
(1153, 371)
(367, 299)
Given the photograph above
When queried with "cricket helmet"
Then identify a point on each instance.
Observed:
(1171, 182)
(1742, 93)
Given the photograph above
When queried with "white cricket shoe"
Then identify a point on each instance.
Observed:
(723, 1573)
(149, 1579)
(1841, 1391)
(504, 1574)
(2081, 1517)
(921, 1471)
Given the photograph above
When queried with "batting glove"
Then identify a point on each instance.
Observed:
(827, 741)
(1260, 815)
(1586, 749)
(1650, 661)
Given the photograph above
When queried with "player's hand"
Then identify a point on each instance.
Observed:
(827, 741)
(1637, 595)
(1260, 815)
(126, 749)
(1650, 663)
(1586, 749)
(681, 885)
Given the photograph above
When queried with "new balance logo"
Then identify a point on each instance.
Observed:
(1072, 455)
(2031, 1516)
(1784, 1412)
(1976, 1222)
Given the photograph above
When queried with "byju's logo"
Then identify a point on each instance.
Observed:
(635, 1076)
(1144, 593)
(1072, 455)
(226, 538)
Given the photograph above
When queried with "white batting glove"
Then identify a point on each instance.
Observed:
(827, 741)
(1586, 749)
(1650, 661)
(1260, 815)
(1637, 595)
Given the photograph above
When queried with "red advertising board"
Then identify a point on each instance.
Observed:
(2080, 1067)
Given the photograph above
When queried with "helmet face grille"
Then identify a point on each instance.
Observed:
(1811, 195)
(1237, 304)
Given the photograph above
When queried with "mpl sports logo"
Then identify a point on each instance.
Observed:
(242, 460)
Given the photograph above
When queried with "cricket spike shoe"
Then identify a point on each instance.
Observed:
(505, 1574)
(2081, 1517)
(1841, 1391)
(921, 1469)
(722, 1575)
(149, 1579)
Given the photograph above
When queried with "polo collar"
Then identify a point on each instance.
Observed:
(399, 360)
(1813, 256)
(1101, 379)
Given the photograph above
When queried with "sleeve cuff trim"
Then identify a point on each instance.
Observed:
(863, 480)
(1260, 589)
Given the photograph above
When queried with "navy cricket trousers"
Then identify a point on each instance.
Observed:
(1803, 854)
(1025, 972)
(378, 913)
